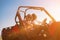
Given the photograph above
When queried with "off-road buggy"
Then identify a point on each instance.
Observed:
(26, 29)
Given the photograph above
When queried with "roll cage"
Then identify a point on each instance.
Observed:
(30, 7)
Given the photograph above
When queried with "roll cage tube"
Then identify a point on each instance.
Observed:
(31, 7)
(19, 17)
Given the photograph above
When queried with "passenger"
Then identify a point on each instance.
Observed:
(33, 17)
(33, 20)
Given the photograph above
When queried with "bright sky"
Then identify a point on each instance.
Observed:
(8, 9)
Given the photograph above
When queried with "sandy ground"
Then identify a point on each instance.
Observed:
(0, 38)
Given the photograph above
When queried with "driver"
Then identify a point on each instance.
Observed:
(29, 21)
